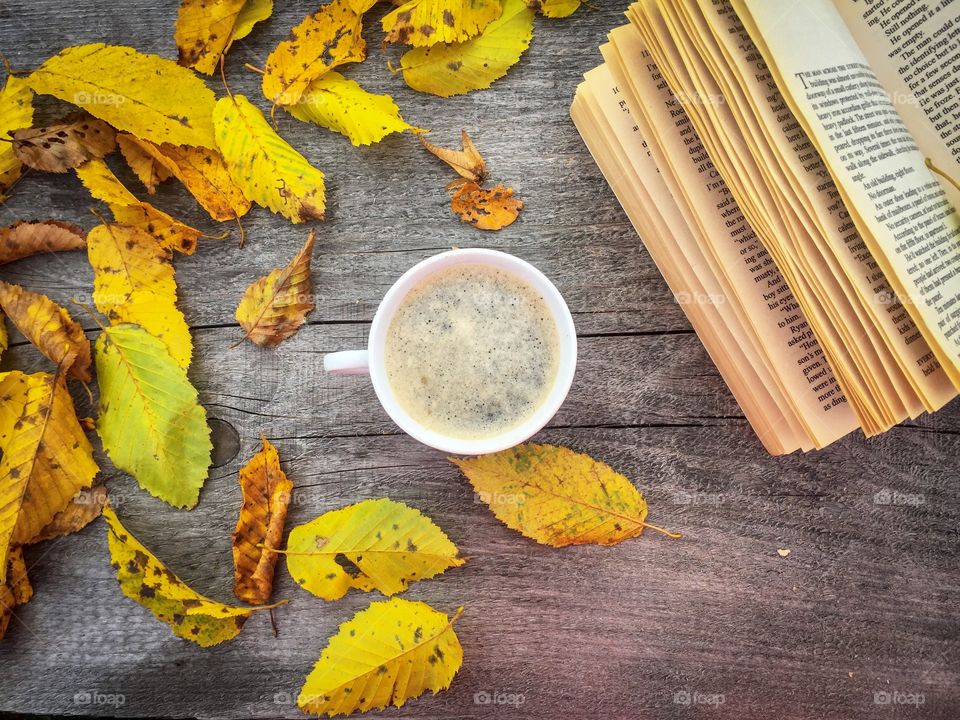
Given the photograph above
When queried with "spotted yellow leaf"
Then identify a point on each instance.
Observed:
(203, 31)
(485, 208)
(341, 105)
(322, 41)
(391, 652)
(422, 23)
(270, 172)
(46, 459)
(148, 581)
(555, 8)
(172, 234)
(372, 545)
(557, 496)
(133, 282)
(146, 95)
(16, 112)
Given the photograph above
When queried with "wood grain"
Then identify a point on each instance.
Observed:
(866, 601)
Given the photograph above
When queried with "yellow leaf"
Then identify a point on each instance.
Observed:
(64, 145)
(554, 8)
(46, 457)
(50, 328)
(150, 421)
(83, 509)
(322, 41)
(556, 496)
(341, 105)
(23, 239)
(428, 22)
(372, 545)
(266, 494)
(203, 31)
(146, 95)
(204, 174)
(150, 171)
(253, 11)
(16, 111)
(146, 580)
(104, 186)
(485, 208)
(468, 162)
(134, 282)
(16, 590)
(274, 307)
(391, 652)
(270, 172)
(459, 68)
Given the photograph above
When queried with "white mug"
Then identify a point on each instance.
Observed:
(371, 360)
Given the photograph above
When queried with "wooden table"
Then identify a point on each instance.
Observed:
(717, 624)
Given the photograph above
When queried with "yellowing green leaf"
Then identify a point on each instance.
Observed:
(427, 22)
(322, 41)
(104, 186)
(46, 457)
(253, 11)
(150, 422)
(203, 31)
(555, 8)
(146, 95)
(556, 496)
(50, 328)
(270, 172)
(459, 68)
(16, 111)
(146, 580)
(372, 545)
(341, 105)
(274, 307)
(391, 652)
(133, 282)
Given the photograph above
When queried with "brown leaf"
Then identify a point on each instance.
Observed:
(484, 208)
(145, 166)
(467, 162)
(274, 307)
(49, 327)
(266, 494)
(84, 508)
(64, 145)
(16, 590)
(23, 239)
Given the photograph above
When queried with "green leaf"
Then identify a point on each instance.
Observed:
(150, 422)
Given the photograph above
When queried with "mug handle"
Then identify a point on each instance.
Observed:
(348, 362)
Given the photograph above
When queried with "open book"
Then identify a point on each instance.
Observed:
(787, 166)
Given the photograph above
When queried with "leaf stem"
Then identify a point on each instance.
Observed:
(675, 536)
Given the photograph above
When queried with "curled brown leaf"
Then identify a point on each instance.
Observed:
(23, 239)
(468, 162)
(64, 145)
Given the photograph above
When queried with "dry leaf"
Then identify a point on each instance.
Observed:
(150, 171)
(468, 162)
(16, 111)
(203, 31)
(104, 186)
(83, 509)
(146, 580)
(446, 70)
(134, 282)
(429, 22)
(341, 105)
(16, 590)
(322, 41)
(46, 457)
(146, 95)
(64, 145)
(23, 239)
(391, 652)
(372, 545)
(50, 328)
(554, 8)
(204, 173)
(4, 338)
(556, 496)
(266, 494)
(274, 307)
(485, 208)
(270, 172)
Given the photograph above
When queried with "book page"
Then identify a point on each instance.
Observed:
(898, 205)
(914, 48)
